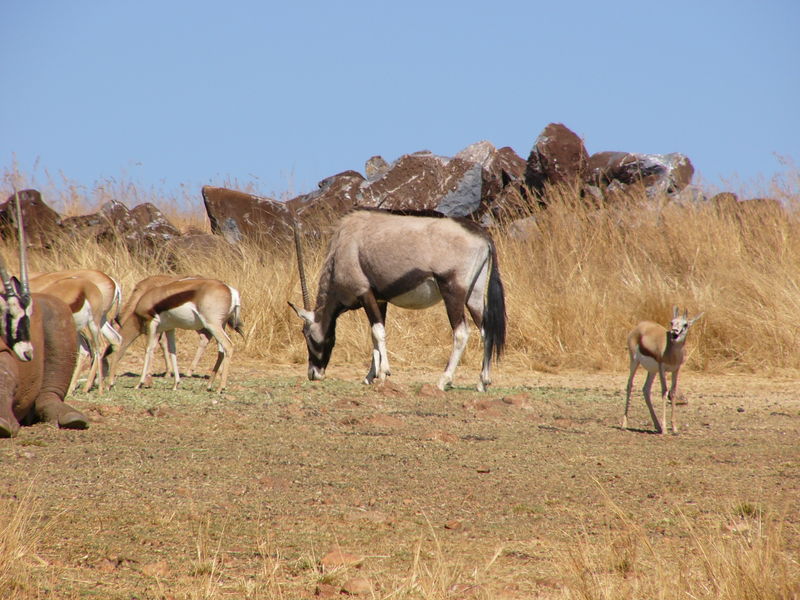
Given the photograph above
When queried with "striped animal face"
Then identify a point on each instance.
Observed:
(16, 324)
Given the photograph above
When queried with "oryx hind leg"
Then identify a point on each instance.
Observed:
(475, 307)
(460, 339)
(455, 299)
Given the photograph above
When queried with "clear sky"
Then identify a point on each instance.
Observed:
(284, 94)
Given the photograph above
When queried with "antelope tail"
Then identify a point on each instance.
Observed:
(494, 312)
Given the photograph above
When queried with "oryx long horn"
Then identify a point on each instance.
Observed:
(23, 252)
(298, 246)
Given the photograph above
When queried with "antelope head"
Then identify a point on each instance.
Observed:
(679, 326)
(15, 300)
(320, 344)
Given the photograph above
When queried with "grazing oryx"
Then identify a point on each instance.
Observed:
(37, 353)
(411, 260)
(658, 350)
(195, 304)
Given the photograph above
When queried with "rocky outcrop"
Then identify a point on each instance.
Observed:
(558, 157)
(41, 222)
(237, 215)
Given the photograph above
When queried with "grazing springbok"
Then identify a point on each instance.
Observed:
(95, 298)
(204, 336)
(658, 350)
(37, 353)
(195, 304)
(86, 303)
(412, 260)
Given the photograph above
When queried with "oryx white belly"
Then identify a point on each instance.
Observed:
(424, 295)
(184, 316)
(651, 364)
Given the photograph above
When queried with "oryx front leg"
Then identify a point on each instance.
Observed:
(460, 338)
(380, 358)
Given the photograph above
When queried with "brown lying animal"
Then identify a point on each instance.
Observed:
(34, 390)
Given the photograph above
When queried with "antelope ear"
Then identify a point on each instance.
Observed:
(306, 315)
(691, 322)
(675, 312)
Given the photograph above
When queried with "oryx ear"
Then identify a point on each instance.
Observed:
(306, 315)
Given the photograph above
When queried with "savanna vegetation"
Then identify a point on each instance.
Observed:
(530, 491)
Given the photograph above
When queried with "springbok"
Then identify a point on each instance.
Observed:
(37, 353)
(658, 351)
(204, 336)
(412, 260)
(87, 314)
(86, 303)
(195, 304)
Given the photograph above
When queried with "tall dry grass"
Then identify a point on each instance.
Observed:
(577, 278)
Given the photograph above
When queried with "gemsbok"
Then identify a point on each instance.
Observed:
(659, 351)
(194, 304)
(412, 260)
(37, 353)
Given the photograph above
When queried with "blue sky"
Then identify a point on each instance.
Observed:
(283, 94)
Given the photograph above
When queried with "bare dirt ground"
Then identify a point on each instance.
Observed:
(426, 494)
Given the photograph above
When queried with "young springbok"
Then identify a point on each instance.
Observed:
(194, 304)
(412, 260)
(658, 350)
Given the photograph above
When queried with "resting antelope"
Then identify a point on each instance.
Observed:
(37, 353)
(204, 336)
(658, 350)
(411, 260)
(195, 304)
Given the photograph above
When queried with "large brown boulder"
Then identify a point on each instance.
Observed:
(143, 228)
(427, 181)
(322, 207)
(558, 157)
(236, 215)
(41, 221)
(658, 174)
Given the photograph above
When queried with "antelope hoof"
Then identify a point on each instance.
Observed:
(73, 420)
(6, 429)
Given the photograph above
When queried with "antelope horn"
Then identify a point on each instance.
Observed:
(298, 246)
(9, 289)
(23, 252)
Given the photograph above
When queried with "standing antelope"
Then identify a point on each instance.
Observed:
(195, 304)
(37, 353)
(94, 298)
(85, 301)
(204, 336)
(411, 260)
(658, 351)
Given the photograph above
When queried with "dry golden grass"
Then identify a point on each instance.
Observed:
(578, 282)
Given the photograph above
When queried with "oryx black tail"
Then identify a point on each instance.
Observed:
(494, 312)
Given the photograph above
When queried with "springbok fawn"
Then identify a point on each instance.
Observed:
(658, 350)
(412, 260)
